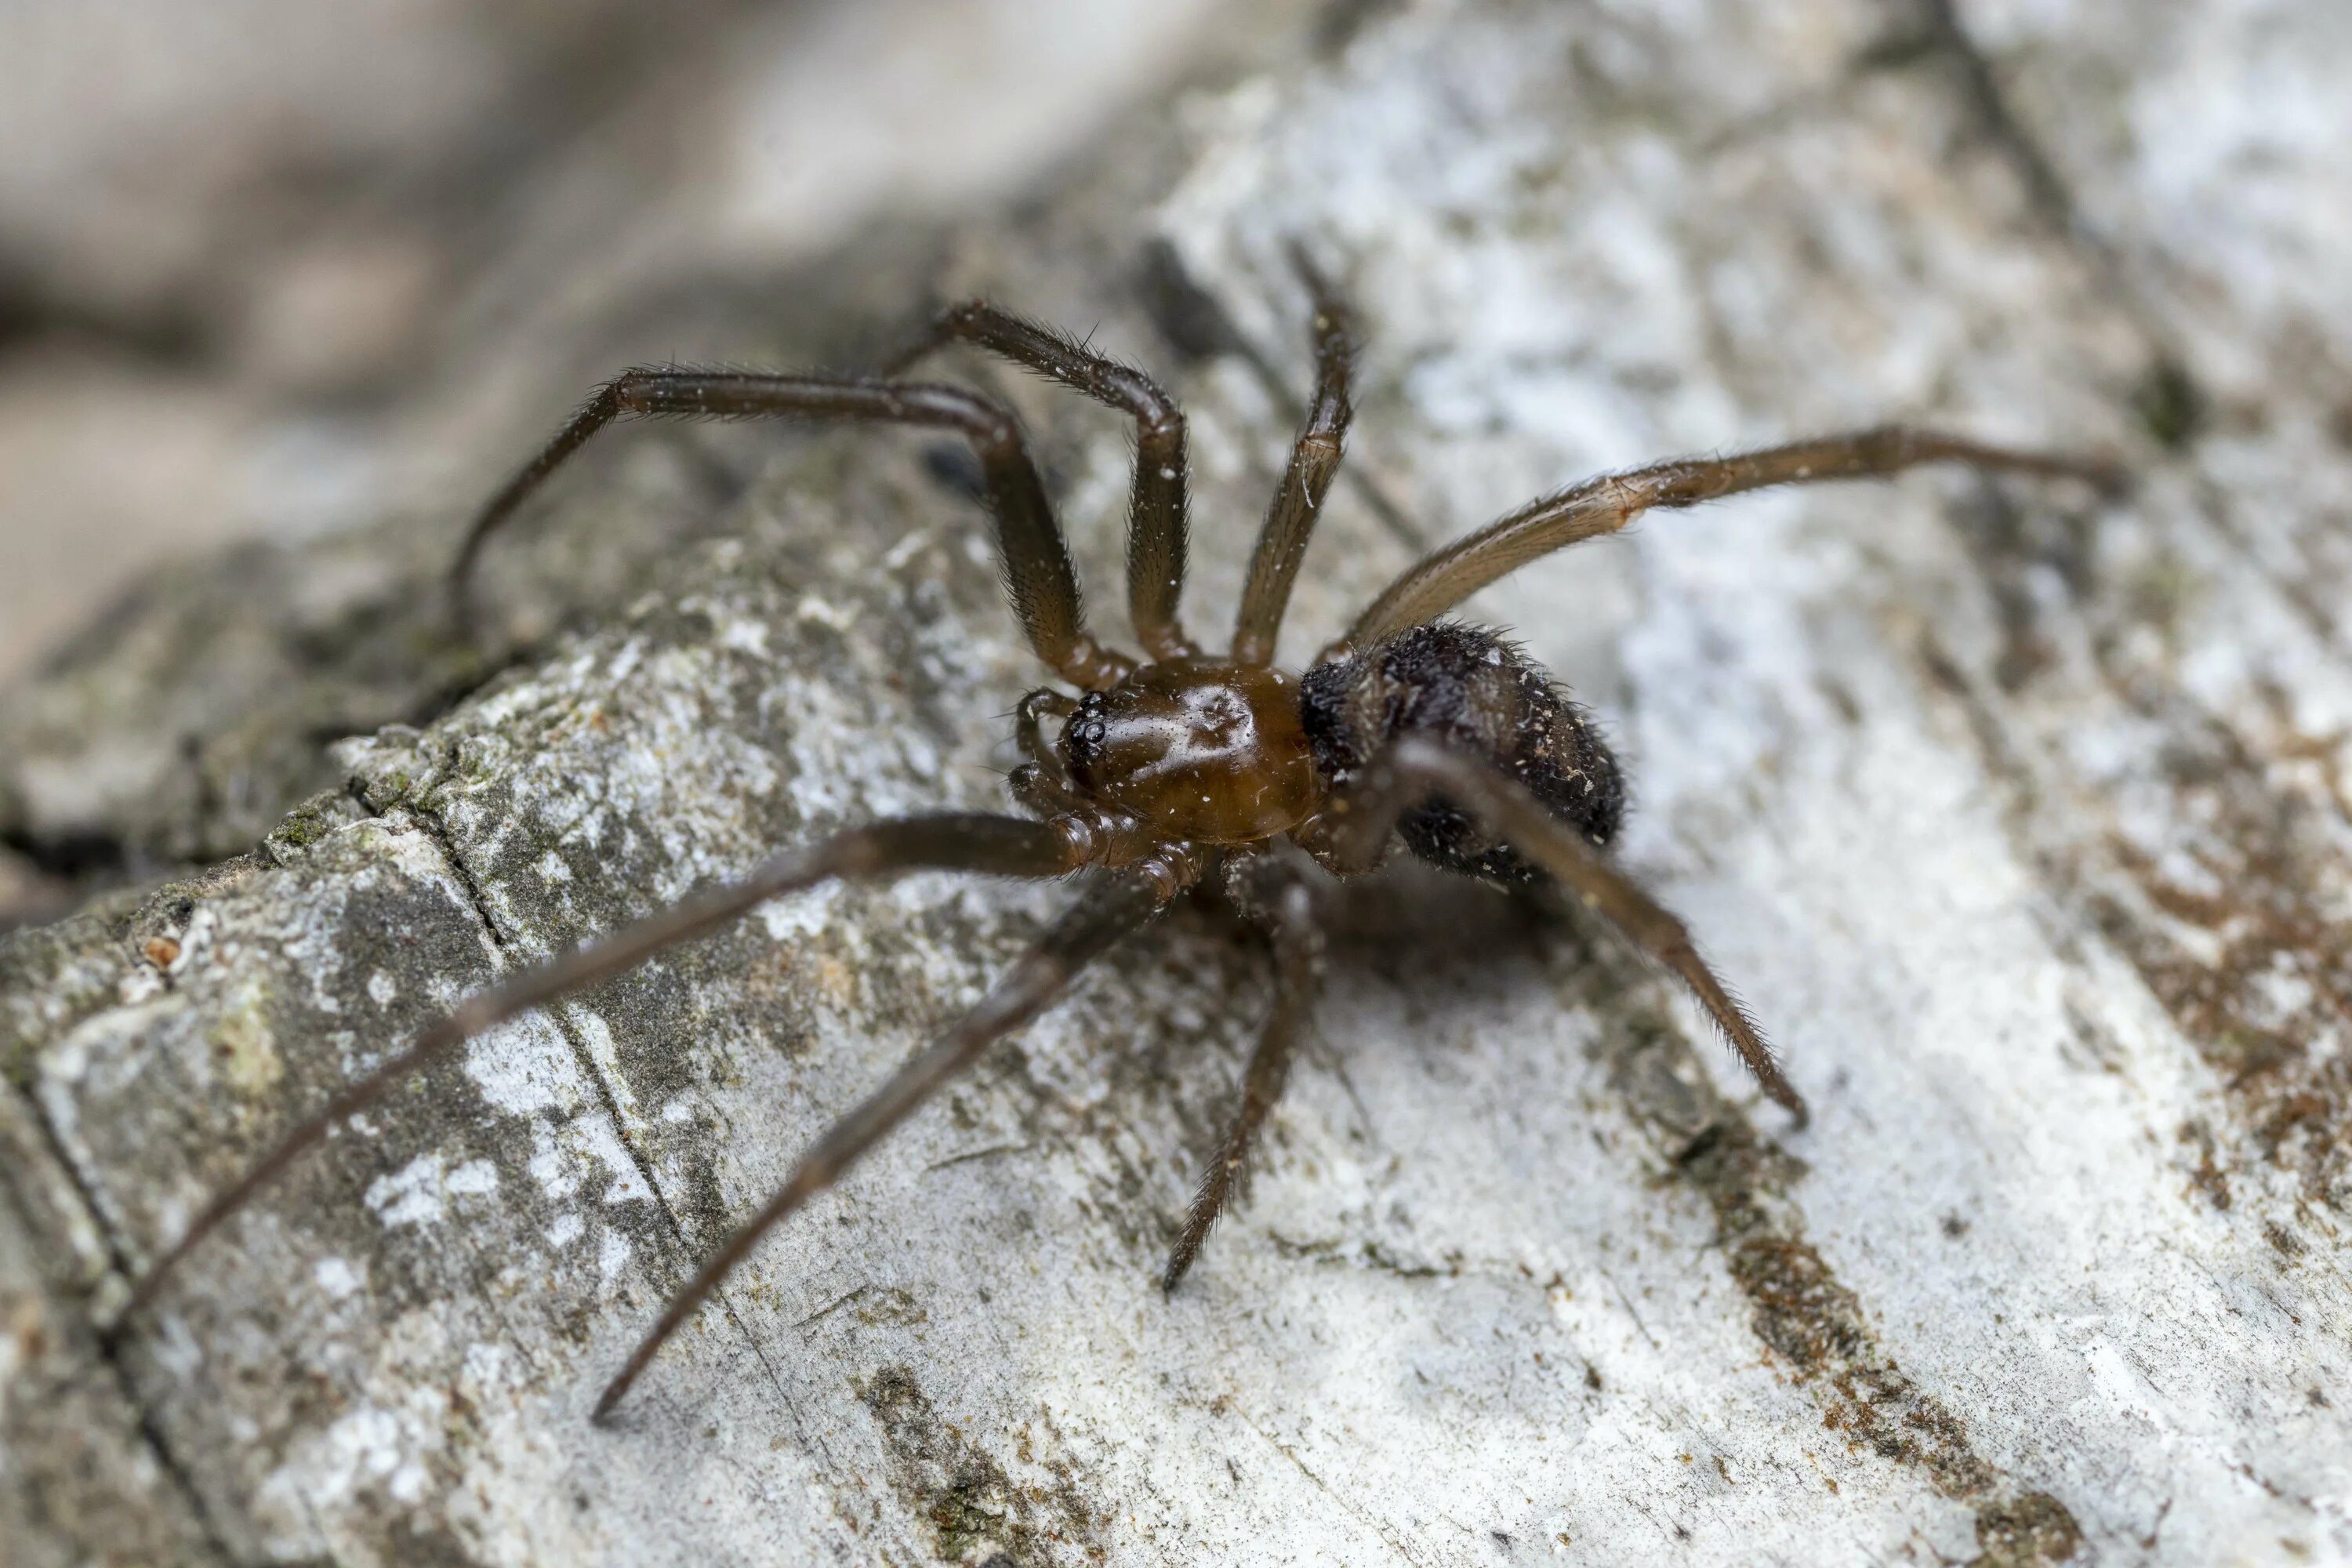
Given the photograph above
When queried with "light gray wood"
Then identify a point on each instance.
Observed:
(2019, 818)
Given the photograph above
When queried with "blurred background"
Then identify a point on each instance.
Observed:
(237, 238)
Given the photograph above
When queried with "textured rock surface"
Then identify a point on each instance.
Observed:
(2023, 822)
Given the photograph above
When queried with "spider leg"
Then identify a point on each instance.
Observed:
(1605, 504)
(1287, 914)
(1038, 577)
(1157, 502)
(1115, 907)
(1413, 768)
(999, 846)
(1314, 461)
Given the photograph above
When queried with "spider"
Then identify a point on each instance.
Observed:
(1186, 767)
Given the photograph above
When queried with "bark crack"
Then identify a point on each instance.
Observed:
(1808, 1319)
(2166, 396)
(1945, 35)
(561, 1016)
(108, 1342)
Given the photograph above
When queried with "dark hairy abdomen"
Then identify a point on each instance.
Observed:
(1468, 687)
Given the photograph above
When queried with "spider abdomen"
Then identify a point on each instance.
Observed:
(1468, 687)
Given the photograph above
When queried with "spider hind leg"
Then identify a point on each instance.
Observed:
(1274, 897)
(1414, 769)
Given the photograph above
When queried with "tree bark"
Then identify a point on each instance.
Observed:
(2021, 818)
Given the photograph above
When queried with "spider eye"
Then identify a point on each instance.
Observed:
(1086, 735)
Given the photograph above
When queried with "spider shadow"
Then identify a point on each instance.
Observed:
(1434, 941)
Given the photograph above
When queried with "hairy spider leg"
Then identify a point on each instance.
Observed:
(1287, 912)
(1314, 461)
(1119, 904)
(1607, 503)
(1413, 768)
(991, 846)
(1038, 577)
(1158, 501)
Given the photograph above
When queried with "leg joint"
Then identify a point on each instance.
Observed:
(628, 388)
(1158, 420)
(986, 422)
(961, 317)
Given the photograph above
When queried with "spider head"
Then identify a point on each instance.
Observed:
(1201, 749)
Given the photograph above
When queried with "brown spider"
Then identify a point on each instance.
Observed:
(1431, 730)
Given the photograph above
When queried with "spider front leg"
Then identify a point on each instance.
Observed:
(996, 845)
(1038, 576)
(1158, 498)
(1412, 769)
(1276, 898)
(1314, 462)
(1447, 576)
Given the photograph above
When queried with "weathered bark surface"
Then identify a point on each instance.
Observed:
(2022, 819)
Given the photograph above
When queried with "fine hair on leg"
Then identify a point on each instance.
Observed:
(991, 846)
(1414, 769)
(1158, 497)
(1038, 577)
(1604, 505)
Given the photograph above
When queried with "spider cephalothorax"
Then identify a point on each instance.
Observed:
(1188, 769)
(1199, 749)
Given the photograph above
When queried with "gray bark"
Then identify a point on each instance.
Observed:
(2021, 820)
